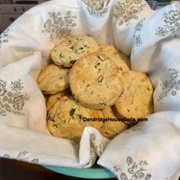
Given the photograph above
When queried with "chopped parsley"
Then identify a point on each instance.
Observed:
(61, 55)
(72, 111)
(72, 61)
(100, 79)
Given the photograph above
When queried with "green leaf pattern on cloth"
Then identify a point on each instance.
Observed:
(97, 8)
(23, 156)
(171, 25)
(135, 171)
(96, 149)
(96, 5)
(59, 26)
(170, 86)
(12, 101)
(127, 10)
(137, 40)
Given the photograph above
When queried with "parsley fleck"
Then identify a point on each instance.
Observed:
(72, 61)
(100, 79)
(72, 111)
(61, 55)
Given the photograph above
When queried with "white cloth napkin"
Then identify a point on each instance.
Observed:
(159, 55)
(151, 38)
(24, 135)
(145, 151)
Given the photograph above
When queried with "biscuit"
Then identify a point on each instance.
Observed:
(52, 99)
(112, 124)
(136, 100)
(70, 50)
(115, 55)
(95, 81)
(53, 79)
(65, 119)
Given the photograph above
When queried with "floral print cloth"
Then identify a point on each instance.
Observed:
(150, 38)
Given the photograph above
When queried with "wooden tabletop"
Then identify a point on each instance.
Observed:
(13, 169)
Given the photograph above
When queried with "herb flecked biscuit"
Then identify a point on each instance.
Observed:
(65, 118)
(95, 81)
(70, 50)
(53, 98)
(51, 101)
(53, 79)
(112, 124)
(136, 100)
(115, 55)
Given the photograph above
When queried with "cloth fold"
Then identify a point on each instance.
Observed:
(149, 150)
(135, 151)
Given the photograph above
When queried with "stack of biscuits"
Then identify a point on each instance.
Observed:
(92, 85)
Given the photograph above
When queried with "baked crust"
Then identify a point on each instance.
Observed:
(65, 118)
(53, 79)
(112, 125)
(136, 100)
(70, 50)
(115, 55)
(95, 81)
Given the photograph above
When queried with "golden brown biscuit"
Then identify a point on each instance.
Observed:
(52, 99)
(95, 81)
(67, 52)
(104, 93)
(53, 79)
(136, 101)
(65, 118)
(112, 124)
(115, 55)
